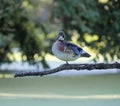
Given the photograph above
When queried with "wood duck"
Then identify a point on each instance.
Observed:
(67, 51)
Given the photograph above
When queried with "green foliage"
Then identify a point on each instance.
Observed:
(8, 13)
(93, 17)
(17, 31)
(26, 28)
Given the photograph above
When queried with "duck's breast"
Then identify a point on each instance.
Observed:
(58, 50)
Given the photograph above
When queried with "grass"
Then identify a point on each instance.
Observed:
(97, 90)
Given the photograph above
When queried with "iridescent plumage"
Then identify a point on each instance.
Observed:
(67, 51)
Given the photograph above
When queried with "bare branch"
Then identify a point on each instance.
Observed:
(70, 67)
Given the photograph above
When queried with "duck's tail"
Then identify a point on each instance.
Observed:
(85, 54)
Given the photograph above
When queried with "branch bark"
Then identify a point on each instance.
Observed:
(70, 67)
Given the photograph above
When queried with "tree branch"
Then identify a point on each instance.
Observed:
(70, 67)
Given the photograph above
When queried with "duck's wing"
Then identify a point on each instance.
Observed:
(73, 48)
(70, 47)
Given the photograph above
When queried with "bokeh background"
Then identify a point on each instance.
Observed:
(28, 28)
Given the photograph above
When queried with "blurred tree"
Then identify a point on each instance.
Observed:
(18, 32)
(99, 19)
(29, 26)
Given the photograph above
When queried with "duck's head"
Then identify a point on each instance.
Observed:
(61, 36)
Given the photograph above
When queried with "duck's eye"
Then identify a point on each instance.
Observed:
(63, 36)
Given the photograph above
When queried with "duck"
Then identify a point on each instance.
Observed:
(67, 51)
